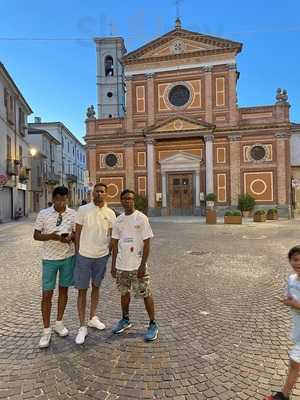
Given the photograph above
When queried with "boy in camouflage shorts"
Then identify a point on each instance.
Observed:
(131, 236)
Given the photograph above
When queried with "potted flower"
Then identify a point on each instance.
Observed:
(259, 216)
(246, 203)
(210, 200)
(272, 214)
(233, 217)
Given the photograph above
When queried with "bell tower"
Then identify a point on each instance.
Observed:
(110, 77)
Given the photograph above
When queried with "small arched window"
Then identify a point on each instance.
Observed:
(109, 66)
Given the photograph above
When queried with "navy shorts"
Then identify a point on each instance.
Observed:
(89, 269)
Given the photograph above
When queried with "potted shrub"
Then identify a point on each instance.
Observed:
(233, 217)
(272, 214)
(246, 203)
(141, 203)
(259, 216)
(210, 200)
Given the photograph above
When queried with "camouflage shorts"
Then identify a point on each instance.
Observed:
(128, 281)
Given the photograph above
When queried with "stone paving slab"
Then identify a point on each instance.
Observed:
(222, 333)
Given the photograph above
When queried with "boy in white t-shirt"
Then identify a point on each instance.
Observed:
(292, 299)
(131, 236)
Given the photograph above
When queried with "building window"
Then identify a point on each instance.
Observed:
(21, 122)
(20, 154)
(220, 91)
(179, 95)
(8, 147)
(109, 66)
(109, 94)
(111, 160)
(258, 152)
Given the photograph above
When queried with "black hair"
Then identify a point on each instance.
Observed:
(125, 191)
(60, 190)
(100, 184)
(294, 250)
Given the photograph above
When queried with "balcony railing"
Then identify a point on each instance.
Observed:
(51, 178)
(71, 178)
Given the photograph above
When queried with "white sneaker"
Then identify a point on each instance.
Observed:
(96, 323)
(82, 333)
(45, 338)
(60, 329)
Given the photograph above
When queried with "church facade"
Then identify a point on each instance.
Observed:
(168, 126)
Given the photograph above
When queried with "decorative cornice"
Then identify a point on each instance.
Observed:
(208, 138)
(129, 143)
(150, 75)
(171, 57)
(150, 140)
(234, 138)
(208, 68)
(282, 135)
(231, 67)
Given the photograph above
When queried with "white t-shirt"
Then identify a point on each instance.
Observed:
(95, 234)
(293, 289)
(46, 224)
(131, 230)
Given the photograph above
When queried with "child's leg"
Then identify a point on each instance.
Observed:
(291, 378)
(149, 304)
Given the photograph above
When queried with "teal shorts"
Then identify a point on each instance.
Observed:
(65, 268)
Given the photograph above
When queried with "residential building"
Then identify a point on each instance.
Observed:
(15, 158)
(45, 173)
(169, 126)
(70, 161)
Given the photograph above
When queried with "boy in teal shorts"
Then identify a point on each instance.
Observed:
(55, 226)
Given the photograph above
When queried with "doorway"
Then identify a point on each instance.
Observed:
(180, 194)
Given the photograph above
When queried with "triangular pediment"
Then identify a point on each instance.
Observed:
(179, 42)
(180, 124)
(180, 158)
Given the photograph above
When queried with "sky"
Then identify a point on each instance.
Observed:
(48, 47)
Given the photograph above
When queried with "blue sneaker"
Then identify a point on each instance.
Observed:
(152, 332)
(122, 325)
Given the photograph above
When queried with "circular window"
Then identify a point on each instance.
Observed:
(111, 160)
(179, 95)
(109, 94)
(258, 152)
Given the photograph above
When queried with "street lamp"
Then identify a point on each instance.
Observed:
(33, 151)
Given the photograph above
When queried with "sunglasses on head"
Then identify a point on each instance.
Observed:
(59, 220)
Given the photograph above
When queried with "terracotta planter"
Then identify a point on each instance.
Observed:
(272, 216)
(259, 218)
(232, 219)
(211, 217)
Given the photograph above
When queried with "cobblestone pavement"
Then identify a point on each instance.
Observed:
(223, 335)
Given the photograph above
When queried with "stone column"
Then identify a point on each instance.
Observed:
(151, 173)
(129, 162)
(129, 101)
(233, 111)
(197, 191)
(209, 166)
(164, 189)
(150, 99)
(282, 168)
(92, 163)
(235, 168)
(208, 94)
